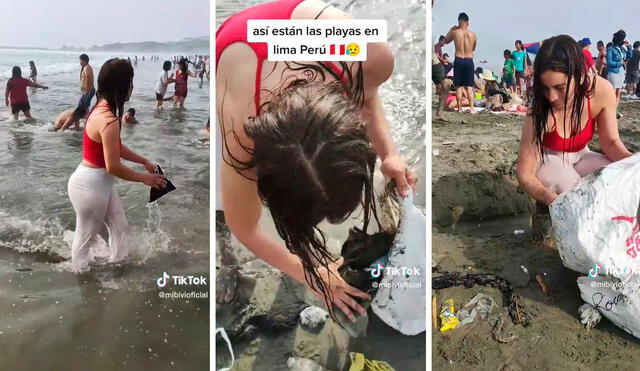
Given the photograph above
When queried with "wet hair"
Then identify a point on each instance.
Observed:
(84, 57)
(131, 111)
(600, 43)
(507, 53)
(560, 54)
(519, 42)
(311, 158)
(441, 38)
(636, 44)
(32, 63)
(166, 66)
(79, 112)
(16, 72)
(114, 81)
(182, 64)
(618, 38)
(463, 17)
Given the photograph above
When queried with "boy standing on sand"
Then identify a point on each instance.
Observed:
(465, 42)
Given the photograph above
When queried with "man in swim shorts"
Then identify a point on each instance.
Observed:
(463, 70)
(87, 88)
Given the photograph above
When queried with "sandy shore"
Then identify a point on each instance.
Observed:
(477, 207)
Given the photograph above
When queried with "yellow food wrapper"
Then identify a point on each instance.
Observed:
(447, 316)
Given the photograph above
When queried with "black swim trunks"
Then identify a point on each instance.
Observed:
(159, 96)
(17, 107)
(463, 72)
(437, 73)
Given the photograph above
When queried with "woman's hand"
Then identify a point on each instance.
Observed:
(393, 166)
(156, 181)
(150, 166)
(341, 292)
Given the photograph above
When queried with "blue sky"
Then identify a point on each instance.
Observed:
(498, 23)
(50, 24)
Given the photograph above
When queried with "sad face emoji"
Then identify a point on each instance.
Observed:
(353, 49)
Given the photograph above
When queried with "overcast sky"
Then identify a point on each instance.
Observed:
(52, 23)
(498, 23)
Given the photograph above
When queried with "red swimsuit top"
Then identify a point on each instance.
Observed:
(234, 30)
(555, 142)
(92, 151)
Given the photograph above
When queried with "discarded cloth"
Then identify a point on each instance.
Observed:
(360, 363)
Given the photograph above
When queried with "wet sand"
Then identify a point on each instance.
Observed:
(477, 206)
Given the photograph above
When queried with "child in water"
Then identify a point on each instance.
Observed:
(163, 81)
(130, 117)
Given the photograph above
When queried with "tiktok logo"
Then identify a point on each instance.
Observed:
(593, 272)
(162, 281)
(377, 271)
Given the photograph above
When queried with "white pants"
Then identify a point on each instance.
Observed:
(96, 203)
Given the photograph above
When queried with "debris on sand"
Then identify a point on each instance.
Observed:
(313, 318)
(517, 314)
(589, 315)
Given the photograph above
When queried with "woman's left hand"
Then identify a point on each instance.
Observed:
(151, 167)
(393, 166)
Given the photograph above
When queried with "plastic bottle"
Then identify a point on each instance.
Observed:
(303, 364)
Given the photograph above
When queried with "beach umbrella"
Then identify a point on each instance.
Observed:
(532, 47)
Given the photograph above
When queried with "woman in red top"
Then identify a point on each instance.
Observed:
(569, 104)
(301, 139)
(16, 93)
(182, 75)
(92, 186)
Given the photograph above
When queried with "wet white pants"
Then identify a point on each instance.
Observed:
(96, 203)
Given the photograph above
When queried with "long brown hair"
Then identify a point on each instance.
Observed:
(114, 81)
(560, 54)
(312, 160)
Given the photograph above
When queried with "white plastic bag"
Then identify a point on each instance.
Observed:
(597, 230)
(401, 298)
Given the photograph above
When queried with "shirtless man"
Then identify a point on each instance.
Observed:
(465, 42)
(74, 115)
(87, 88)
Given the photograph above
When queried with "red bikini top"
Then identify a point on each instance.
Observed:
(92, 151)
(234, 29)
(555, 142)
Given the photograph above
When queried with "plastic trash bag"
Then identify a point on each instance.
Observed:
(223, 333)
(596, 225)
(401, 299)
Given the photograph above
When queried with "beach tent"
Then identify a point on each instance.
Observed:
(532, 47)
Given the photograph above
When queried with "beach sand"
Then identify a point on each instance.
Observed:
(477, 207)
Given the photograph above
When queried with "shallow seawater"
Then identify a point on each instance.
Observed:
(112, 317)
(403, 96)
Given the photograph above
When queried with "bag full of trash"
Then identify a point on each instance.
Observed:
(401, 298)
(596, 225)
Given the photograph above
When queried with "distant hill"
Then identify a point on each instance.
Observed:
(189, 45)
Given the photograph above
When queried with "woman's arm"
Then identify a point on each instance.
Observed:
(242, 204)
(377, 69)
(6, 92)
(35, 85)
(608, 135)
(110, 136)
(528, 165)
